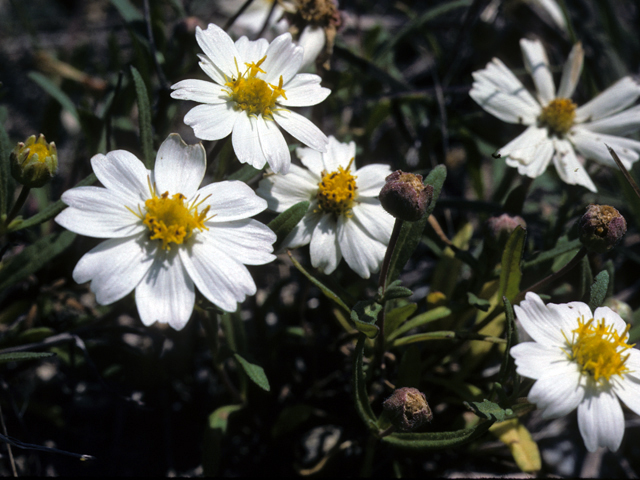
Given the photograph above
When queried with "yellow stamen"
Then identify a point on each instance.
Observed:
(337, 191)
(559, 115)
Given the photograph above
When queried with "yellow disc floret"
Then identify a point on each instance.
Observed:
(171, 220)
(559, 115)
(599, 349)
(252, 94)
(337, 191)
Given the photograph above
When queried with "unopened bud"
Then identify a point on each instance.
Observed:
(405, 196)
(601, 228)
(407, 409)
(34, 162)
(621, 308)
(499, 229)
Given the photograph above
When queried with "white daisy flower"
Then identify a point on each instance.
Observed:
(345, 218)
(582, 360)
(254, 84)
(166, 236)
(557, 127)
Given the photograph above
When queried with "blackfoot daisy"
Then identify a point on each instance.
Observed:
(166, 236)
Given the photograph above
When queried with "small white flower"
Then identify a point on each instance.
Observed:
(254, 84)
(345, 218)
(165, 235)
(582, 360)
(556, 126)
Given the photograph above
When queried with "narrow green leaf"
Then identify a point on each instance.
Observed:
(586, 278)
(284, 223)
(444, 335)
(213, 437)
(219, 419)
(510, 329)
(411, 232)
(127, 11)
(599, 290)
(510, 275)
(365, 315)
(244, 174)
(329, 293)
(144, 115)
(395, 317)
(360, 387)
(53, 90)
(50, 211)
(419, 320)
(254, 372)
(490, 410)
(20, 356)
(291, 418)
(395, 291)
(34, 257)
(479, 303)
(6, 181)
(436, 440)
(559, 249)
(34, 335)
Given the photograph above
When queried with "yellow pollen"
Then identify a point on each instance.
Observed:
(42, 150)
(337, 191)
(252, 94)
(559, 115)
(170, 220)
(598, 349)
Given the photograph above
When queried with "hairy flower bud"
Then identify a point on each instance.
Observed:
(621, 308)
(34, 162)
(405, 196)
(499, 229)
(601, 228)
(407, 409)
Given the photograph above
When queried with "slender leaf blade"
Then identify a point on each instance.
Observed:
(361, 396)
(21, 356)
(284, 223)
(511, 274)
(144, 115)
(436, 440)
(254, 372)
(55, 91)
(599, 290)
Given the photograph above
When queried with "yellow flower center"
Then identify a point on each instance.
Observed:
(171, 220)
(42, 150)
(337, 191)
(254, 95)
(598, 349)
(559, 115)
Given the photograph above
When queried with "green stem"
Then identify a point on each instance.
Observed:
(22, 198)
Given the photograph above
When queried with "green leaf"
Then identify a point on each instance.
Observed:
(409, 371)
(365, 315)
(34, 335)
(510, 328)
(411, 232)
(329, 293)
(127, 11)
(255, 372)
(219, 419)
(479, 303)
(436, 440)
(489, 410)
(360, 387)
(244, 174)
(395, 317)
(284, 223)
(510, 275)
(599, 290)
(53, 90)
(419, 320)
(6, 181)
(218, 424)
(34, 257)
(561, 247)
(20, 356)
(393, 291)
(144, 115)
(291, 418)
(51, 211)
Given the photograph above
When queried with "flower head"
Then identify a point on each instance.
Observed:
(408, 409)
(582, 360)
(166, 236)
(405, 196)
(556, 127)
(345, 217)
(601, 228)
(254, 85)
(34, 162)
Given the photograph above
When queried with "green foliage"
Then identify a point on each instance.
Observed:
(55, 91)
(254, 372)
(284, 223)
(511, 259)
(599, 290)
(144, 116)
(436, 440)
(21, 356)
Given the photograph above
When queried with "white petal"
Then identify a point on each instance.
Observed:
(610, 318)
(212, 122)
(374, 220)
(274, 146)
(251, 51)
(249, 241)
(601, 420)
(571, 72)
(230, 200)
(221, 279)
(219, 47)
(120, 171)
(534, 360)
(115, 267)
(623, 123)
(302, 129)
(312, 39)
(569, 168)
(537, 64)
(362, 253)
(371, 179)
(179, 167)
(324, 249)
(615, 98)
(199, 91)
(246, 142)
(212, 71)
(544, 325)
(338, 154)
(530, 152)
(594, 146)
(552, 8)
(633, 363)
(500, 93)
(559, 392)
(312, 159)
(302, 233)
(283, 59)
(166, 294)
(304, 90)
(284, 191)
(628, 389)
(98, 212)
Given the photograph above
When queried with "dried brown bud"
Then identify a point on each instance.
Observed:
(499, 229)
(601, 228)
(407, 409)
(405, 196)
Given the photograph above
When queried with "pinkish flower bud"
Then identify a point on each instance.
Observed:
(405, 196)
(407, 409)
(601, 228)
(499, 229)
